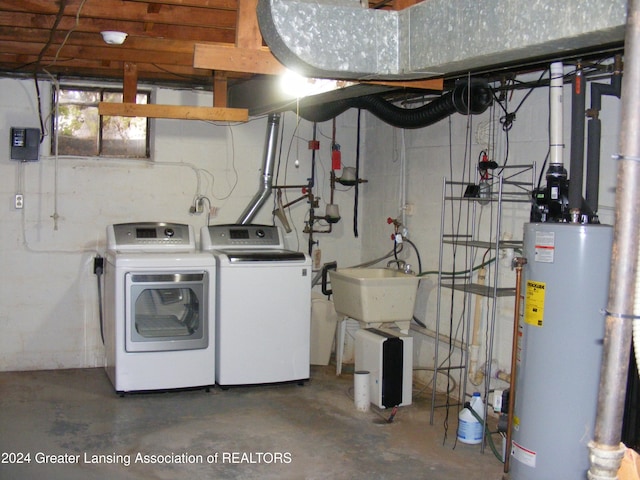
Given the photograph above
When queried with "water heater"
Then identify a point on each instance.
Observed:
(565, 288)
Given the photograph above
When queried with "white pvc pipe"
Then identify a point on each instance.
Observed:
(556, 141)
(361, 392)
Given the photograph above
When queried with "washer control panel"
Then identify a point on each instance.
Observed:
(217, 237)
(150, 236)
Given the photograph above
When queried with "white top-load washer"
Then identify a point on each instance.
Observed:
(159, 300)
(263, 310)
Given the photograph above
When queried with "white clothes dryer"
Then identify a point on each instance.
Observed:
(159, 297)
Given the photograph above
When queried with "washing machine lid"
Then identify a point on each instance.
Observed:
(242, 256)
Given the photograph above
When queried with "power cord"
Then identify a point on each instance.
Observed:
(98, 270)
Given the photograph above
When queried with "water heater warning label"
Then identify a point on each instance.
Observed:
(524, 455)
(545, 247)
(534, 303)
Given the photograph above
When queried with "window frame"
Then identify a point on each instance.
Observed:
(102, 91)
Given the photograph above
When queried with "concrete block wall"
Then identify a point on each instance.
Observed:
(48, 296)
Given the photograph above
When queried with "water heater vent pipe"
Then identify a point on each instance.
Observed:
(556, 141)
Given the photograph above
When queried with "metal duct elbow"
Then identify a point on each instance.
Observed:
(271, 142)
(466, 98)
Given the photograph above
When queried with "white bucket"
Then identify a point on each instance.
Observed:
(361, 393)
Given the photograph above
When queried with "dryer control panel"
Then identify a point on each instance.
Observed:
(150, 236)
(220, 237)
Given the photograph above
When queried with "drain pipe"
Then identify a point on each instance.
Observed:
(271, 143)
(606, 450)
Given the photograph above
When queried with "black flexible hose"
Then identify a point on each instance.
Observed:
(415, 249)
(466, 98)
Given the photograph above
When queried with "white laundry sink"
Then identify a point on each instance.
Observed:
(374, 295)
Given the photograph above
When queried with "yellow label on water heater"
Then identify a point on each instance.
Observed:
(534, 303)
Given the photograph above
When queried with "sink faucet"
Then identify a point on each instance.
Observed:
(400, 264)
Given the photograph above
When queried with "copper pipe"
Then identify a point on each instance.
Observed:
(518, 263)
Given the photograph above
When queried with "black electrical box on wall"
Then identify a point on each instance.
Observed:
(25, 144)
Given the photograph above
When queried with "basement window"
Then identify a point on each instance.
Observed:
(80, 131)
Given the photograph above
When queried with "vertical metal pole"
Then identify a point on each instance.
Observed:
(436, 365)
(606, 449)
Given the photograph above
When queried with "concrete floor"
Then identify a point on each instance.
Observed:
(275, 432)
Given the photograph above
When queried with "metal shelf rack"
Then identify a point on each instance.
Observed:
(461, 212)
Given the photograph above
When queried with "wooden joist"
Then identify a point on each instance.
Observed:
(174, 111)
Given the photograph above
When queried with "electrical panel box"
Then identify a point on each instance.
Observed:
(388, 357)
(25, 144)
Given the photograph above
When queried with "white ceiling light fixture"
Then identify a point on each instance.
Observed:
(113, 37)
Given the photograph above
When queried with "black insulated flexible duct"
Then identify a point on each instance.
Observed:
(466, 98)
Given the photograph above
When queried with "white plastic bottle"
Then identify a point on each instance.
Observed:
(470, 430)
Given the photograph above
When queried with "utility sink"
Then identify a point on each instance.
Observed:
(374, 295)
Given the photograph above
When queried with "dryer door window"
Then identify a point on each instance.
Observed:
(166, 311)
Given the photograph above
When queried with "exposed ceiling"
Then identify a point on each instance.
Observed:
(166, 38)
(63, 37)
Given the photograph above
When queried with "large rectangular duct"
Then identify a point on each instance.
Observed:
(340, 39)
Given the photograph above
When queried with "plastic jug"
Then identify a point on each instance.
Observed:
(470, 430)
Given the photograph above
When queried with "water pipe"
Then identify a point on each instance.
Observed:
(606, 450)
(476, 375)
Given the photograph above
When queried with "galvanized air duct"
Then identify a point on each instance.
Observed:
(466, 98)
(271, 143)
(340, 39)
(606, 451)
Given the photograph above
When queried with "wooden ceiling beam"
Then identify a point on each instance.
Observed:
(135, 29)
(216, 4)
(173, 111)
(130, 83)
(216, 57)
(248, 55)
(247, 28)
(120, 10)
(220, 86)
(97, 67)
(436, 84)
